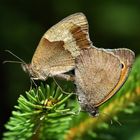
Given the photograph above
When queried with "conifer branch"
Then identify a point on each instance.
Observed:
(43, 114)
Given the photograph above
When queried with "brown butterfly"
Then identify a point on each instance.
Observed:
(58, 48)
(99, 74)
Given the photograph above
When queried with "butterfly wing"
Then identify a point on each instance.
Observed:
(60, 45)
(97, 74)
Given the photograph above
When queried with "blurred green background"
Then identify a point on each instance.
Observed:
(112, 24)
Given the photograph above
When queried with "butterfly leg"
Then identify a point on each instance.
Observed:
(32, 82)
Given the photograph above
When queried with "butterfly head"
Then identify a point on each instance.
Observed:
(34, 72)
(27, 68)
(92, 110)
(88, 107)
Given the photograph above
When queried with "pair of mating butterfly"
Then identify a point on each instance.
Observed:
(99, 73)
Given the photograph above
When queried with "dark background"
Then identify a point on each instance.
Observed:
(112, 24)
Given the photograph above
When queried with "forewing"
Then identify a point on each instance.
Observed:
(97, 74)
(52, 58)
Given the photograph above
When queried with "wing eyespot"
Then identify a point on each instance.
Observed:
(122, 66)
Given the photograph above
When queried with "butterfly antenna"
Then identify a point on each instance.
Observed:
(60, 86)
(18, 62)
(21, 61)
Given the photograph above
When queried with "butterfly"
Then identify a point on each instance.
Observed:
(99, 74)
